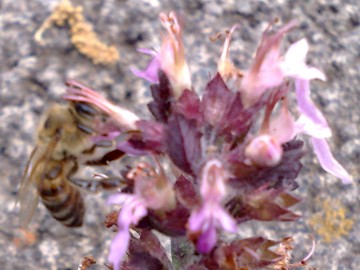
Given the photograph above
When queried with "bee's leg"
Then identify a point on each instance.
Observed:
(108, 157)
(96, 185)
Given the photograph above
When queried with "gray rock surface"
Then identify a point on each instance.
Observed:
(31, 76)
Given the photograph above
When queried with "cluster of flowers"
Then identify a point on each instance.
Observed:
(215, 160)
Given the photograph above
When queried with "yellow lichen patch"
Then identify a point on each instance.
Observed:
(330, 222)
(82, 35)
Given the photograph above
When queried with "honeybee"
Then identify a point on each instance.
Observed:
(63, 144)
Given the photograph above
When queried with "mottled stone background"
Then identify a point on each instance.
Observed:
(33, 75)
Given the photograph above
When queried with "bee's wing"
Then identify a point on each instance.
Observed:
(28, 205)
(27, 196)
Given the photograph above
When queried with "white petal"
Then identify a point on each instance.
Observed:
(294, 64)
(297, 52)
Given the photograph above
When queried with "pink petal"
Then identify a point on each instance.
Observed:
(125, 119)
(119, 198)
(151, 72)
(196, 220)
(136, 211)
(328, 162)
(282, 127)
(207, 240)
(294, 63)
(133, 210)
(305, 125)
(305, 104)
(226, 222)
(118, 248)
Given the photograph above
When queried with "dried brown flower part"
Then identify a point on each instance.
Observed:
(111, 219)
(86, 262)
(330, 222)
(285, 250)
(82, 34)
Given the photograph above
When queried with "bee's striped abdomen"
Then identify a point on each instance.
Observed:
(63, 201)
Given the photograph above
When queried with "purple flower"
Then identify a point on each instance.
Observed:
(312, 118)
(271, 68)
(205, 221)
(170, 59)
(133, 210)
(265, 149)
(151, 72)
(152, 190)
(211, 215)
(312, 122)
(268, 71)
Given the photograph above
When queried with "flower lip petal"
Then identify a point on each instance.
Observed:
(305, 104)
(305, 125)
(226, 221)
(207, 240)
(294, 64)
(144, 75)
(133, 209)
(328, 162)
(118, 248)
(196, 220)
(150, 73)
(139, 211)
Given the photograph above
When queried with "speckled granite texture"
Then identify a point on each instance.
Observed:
(31, 76)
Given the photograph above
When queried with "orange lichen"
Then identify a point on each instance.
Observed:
(331, 222)
(82, 35)
(24, 238)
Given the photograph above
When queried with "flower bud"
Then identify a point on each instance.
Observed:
(264, 151)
